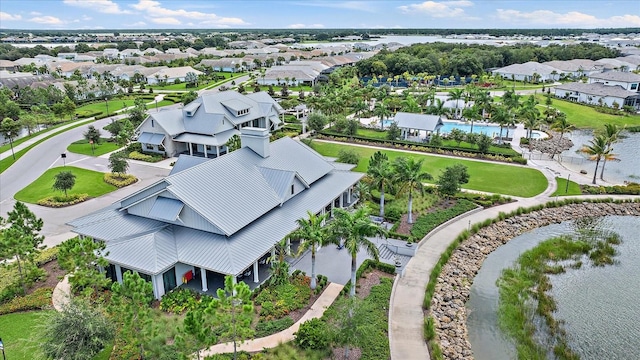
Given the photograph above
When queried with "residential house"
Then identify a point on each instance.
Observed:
(412, 125)
(627, 80)
(204, 126)
(7, 65)
(221, 217)
(598, 93)
(13, 80)
(170, 75)
(576, 68)
(224, 64)
(529, 71)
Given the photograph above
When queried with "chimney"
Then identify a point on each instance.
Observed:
(256, 139)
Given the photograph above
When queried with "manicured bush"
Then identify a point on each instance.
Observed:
(313, 334)
(57, 201)
(265, 328)
(119, 180)
(135, 155)
(39, 299)
(629, 189)
(425, 223)
(46, 255)
(393, 213)
(179, 300)
(278, 301)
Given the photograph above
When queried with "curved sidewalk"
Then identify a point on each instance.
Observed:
(317, 309)
(61, 294)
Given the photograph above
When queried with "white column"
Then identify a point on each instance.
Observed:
(288, 247)
(203, 275)
(119, 274)
(341, 200)
(273, 251)
(205, 150)
(190, 149)
(256, 278)
(217, 151)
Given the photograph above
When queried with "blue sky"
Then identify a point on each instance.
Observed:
(211, 14)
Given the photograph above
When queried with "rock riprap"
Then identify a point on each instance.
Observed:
(454, 283)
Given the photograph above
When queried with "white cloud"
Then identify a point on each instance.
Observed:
(569, 19)
(103, 6)
(8, 17)
(161, 15)
(46, 20)
(86, 18)
(438, 9)
(165, 20)
(35, 13)
(351, 5)
(304, 26)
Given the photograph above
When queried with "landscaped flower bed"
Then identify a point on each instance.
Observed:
(119, 180)
(62, 201)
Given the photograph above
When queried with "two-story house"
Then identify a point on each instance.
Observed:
(204, 126)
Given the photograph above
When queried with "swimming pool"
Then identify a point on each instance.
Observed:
(478, 128)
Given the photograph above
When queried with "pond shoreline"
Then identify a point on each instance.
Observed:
(452, 291)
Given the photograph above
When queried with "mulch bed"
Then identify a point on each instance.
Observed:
(405, 228)
(53, 277)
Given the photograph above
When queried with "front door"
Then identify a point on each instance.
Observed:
(169, 279)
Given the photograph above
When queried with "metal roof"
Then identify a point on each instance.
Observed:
(219, 139)
(418, 121)
(166, 209)
(149, 253)
(279, 180)
(112, 226)
(597, 89)
(151, 138)
(186, 161)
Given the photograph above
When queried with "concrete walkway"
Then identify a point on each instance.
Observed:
(61, 294)
(317, 309)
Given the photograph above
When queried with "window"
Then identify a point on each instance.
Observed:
(293, 189)
(152, 123)
(634, 86)
(169, 279)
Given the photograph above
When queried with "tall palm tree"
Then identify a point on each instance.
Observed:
(598, 150)
(611, 133)
(382, 111)
(311, 233)
(409, 176)
(483, 100)
(381, 174)
(500, 116)
(354, 228)
(457, 95)
(562, 126)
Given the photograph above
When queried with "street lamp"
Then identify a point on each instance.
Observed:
(107, 102)
(4, 357)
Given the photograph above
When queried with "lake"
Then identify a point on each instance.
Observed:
(599, 305)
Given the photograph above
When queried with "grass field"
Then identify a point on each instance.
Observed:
(17, 142)
(19, 334)
(586, 117)
(83, 147)
(484, 176)
(87, 182)
(101, 106)
(573, 189)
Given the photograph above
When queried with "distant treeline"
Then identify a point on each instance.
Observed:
(335, 32)
(464, 60)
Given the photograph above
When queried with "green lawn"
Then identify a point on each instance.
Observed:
(83, 147)
(586, 117)
(8, 161)
(101, 106)
(16, 142)
(19, 334)
(87, 182)
(484, 176)
(573, 189)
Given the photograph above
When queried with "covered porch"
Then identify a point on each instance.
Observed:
(418, 127)
(208, 282)
(208, 146)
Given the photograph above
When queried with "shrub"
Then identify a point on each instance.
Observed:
(179, 300)
(39, 299)
(135, 146)
(393, 213)
(46, 255)
(62, 201)
(135, 155)
(313, 334)
(264, 328)
(425, 223)
(119, 180)
(278, 301)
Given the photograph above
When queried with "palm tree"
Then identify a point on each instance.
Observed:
(409, 176)
(457, 95)
(563, 126)
(611, 133)
(311, 234)
(500, 116)
(598, 150)
(381, 174)
(354, 228)
(382, 111)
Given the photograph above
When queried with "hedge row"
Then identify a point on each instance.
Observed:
(135, 155)
(408, 145)
(39, 299)
(629, 189)
(369, 264)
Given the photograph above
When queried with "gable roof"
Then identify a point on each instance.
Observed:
(418, 121)
(616, 76)
(186, 161)
(597, 89)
